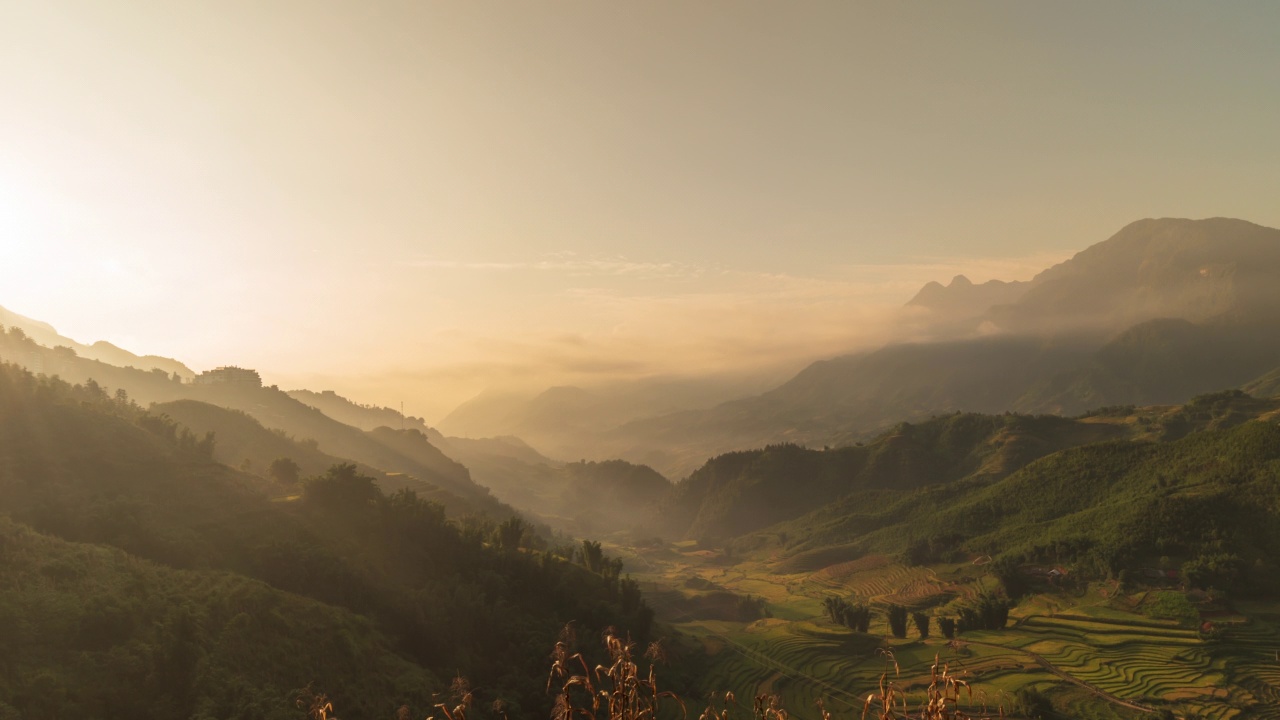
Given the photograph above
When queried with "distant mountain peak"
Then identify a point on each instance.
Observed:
(1154, 268)
(963, 300)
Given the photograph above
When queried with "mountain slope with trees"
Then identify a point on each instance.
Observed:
(1118, 490)
(82, 466)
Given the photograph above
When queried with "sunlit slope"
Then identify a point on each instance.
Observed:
(412, 455)
(144, 386)
(392, 451)
(365, 417)
(85, 467)
(242, 442)
(102, 351)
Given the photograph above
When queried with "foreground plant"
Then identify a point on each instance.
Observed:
(618, 691)
(942, 696)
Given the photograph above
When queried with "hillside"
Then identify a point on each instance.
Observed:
(407, 452)
(83, 467)
(1266, 386)
(365, 417)
(98, 632)
(741, 492)
(102, 351)
(1083, 489)
(1196, 270)
(602, 498)
(275, 410)
(242, 442)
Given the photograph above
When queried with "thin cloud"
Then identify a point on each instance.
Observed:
(572, 266)
(610, 328)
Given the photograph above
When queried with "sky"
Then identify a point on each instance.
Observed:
(415, 201)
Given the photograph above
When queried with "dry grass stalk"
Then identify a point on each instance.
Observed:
(619, 690)
(769, 707)
(942, 696)
(710, 713)
(889, 698)
(317, 705)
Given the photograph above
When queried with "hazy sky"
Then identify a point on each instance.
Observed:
(436, 196)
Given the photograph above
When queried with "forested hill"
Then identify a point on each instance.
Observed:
(365, 417)
(1198, 483)
(822, 496)
(741, 492)
(409, 452)
(243, 443)
(140, 578)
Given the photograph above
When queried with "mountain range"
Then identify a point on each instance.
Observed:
(1162, 311)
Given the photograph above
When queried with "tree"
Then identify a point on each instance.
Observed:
(922, 624)
(858, 617)
(948, 627)
(284, 470)
(1010, 576)
(898, 621)
(1030, 702)
(510, 533)
(592, 556)
(342, 487)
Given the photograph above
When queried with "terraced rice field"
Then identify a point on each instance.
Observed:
(1095, 657)
(917, 591)
(1139, 663)
(876, 581)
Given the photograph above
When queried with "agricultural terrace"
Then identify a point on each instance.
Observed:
(1096, 653)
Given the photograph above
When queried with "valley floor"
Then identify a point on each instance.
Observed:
(1093, 652)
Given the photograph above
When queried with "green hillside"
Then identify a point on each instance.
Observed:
(1266, 386)
(603, 497)
(92, 631)
(84, 467)
(1194, 483)
(738, 493)
(271, 407)
(242, 442)
(388, 452)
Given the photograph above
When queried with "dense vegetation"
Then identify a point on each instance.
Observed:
(1193, 488)
(741, 492)
(190, 568)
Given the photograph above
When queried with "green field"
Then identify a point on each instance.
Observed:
(1093, 654)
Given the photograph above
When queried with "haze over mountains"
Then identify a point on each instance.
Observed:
(1163, 310)
(973, 442)
(44, 334)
